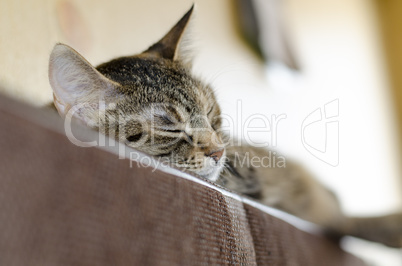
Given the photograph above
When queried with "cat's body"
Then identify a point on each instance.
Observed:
(152, 102)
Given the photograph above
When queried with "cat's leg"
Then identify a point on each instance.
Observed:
(383, 229)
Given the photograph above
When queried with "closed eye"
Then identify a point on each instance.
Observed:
(174, 130)
(190, 138)
(134, 138)
(210, 111)
(165, 119)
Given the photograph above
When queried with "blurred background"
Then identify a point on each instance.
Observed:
(327, 70)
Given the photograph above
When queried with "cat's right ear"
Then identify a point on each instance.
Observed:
(175, 45)
(75, 82)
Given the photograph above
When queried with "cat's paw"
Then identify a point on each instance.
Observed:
(384, 229)
(392, 230)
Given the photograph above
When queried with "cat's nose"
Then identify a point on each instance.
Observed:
(216, 155)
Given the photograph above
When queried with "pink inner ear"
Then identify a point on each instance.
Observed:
(61, 108)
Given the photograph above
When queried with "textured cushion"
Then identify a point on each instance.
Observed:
(67, 205)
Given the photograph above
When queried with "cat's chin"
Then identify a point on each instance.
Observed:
(212, 173)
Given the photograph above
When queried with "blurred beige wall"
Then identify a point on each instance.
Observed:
(100, 30)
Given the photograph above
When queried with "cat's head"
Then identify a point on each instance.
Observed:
(150, 101)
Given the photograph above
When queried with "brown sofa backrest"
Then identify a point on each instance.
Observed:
(61, 204)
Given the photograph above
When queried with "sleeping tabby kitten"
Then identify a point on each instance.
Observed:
(151, 102)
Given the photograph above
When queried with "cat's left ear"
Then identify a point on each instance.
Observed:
(175, 44)
(76, 83)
